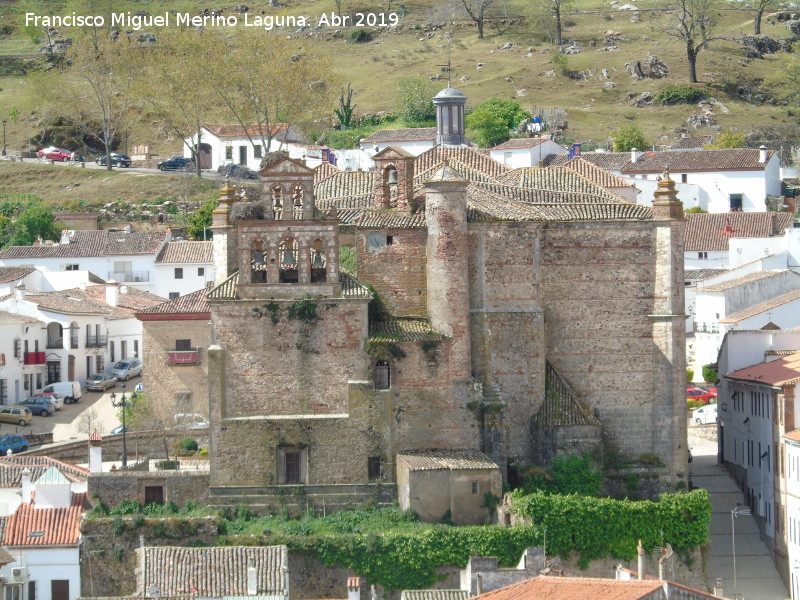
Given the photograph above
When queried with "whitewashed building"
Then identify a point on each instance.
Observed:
(184, 267)
(22, 357)
(526, 152)
(791, 469)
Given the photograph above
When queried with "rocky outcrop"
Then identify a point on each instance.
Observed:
(650, 68)
(756, 46)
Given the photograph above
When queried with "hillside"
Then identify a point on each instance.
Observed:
(525, 71)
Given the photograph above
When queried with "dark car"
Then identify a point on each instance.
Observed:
(39, 406)
(15, 443)
(176, 163)
(117, 160)
(238, 171)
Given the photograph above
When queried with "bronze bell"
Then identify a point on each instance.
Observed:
(318, 264)
(392, 177)
(288, 257)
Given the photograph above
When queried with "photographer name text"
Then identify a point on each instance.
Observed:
(138, 22)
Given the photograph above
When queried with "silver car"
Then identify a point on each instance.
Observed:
(101, 382)
(127, 368)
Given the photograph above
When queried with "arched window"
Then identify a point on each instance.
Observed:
(319, 262)
(258, 264)
(55, 336)
(288, 265)
(382, 376)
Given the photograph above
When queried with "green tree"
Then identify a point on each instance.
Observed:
(491, 121)
(414, 100)
(727, 138)
(34, 222)
(761, 6)
(201, 219)
(627, 138)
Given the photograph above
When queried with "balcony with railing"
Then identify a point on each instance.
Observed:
(96, 341)
(33, 358)
(179, 358)
(129, 276)
(706, 327)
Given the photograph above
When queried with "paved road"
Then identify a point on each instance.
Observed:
(75, 421)
(756, 576)
(207, 174)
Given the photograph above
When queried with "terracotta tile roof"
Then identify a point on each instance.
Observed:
(793, 435)
(194, 303)
(9, 317)
(58, 526)
(436, 460)
(469, 157)
(77, 216)
(323, 171)
(780, 352)
(222, 131)
(213, 572)
(186, 252)
(3, 526)
(343, 203)
(555, 179)
(394, 329)
(763, 307)
(9, 274)
(596, 174)
(352, 288)
(225, 290)
(373, 219)
(612, 161)
(11, 468)
(777, 373)
(732, 283)
(92, 300)
(344, 184)
(683, 161)
(409, 134)
(434, 595)
(690, 142)
(706, 231)
(575, 588)
(519, 143)
(93, 243)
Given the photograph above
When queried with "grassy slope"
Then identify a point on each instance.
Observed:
(593, 112)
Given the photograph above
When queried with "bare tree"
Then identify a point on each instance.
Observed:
(694, 28)
(550, 13)
(761, 7)
(476, 9)
(89, 421)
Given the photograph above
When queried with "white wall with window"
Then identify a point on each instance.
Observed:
(178, 279)
(18, 380)
(791, 472)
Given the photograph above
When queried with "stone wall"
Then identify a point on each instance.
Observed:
(397, 270)
(175, 389)
(179, 486)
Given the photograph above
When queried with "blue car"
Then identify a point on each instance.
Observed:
(15, 443)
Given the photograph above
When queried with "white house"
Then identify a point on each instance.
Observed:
(718, 181)
(22, 357)
(12, 469)
(791, 502)
(184, 267)
(85, 328)
(230, 145)
(414, 140)
(526, 152)
(11, 277)
(44, 538)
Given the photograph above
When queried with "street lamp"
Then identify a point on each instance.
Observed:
(736, 511)
(123, 404)
(4, 136)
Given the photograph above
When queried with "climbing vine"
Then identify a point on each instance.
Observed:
(270, 308)
(303, 310)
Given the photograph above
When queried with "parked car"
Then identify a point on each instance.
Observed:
(694, 393)
(20, 415)
(127, 368)
(191, 421)
(56, 399)
(117, 160)
(101, 382)
(39, 406)
(15, 443)
(54, 153)
(705, 414)
(120, 429)
(239, 171)
(71, 390)
(176, 163)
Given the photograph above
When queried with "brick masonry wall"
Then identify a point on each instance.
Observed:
(179, 486)
(162, 381)
(397, 271)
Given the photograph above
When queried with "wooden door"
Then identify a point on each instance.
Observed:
(59, 589)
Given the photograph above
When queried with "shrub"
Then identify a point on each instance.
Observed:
(361, 36)
(568, 475)
(689, 375)
(167, 465)
(189, 444)
(710, 372)
(680, 94)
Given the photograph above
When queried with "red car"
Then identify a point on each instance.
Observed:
(53, 153)
(693, 393)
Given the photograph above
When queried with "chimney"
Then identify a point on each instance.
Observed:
(19, 291)
(95, 453)
(728, 228)
(65, 236)
(354, 588)
(27, 486)
(762, 154)
(112, 293)
(634, 155)
(252, 581)
(640, 562)
(478, 585)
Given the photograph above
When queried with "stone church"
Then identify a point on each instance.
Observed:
(411, 332)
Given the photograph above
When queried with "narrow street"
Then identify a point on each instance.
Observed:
(756, 577)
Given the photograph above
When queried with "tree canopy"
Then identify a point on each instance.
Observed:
(414, 100)
(627, 138)
(36, 221)
(490, 122)
(727, 138)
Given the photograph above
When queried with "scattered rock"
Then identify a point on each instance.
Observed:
(549, 73)
(241, 8)
(609, 85)
(146, 38)
(295, 57)
(479, 66)
(571, 50)
(635, 17)
(700, 121)
(757, 46)
(644, 99)
(521, 92)
(650, 68)
(592, 43)
(605, 73)
(509, 79)
(507, 46)
(627, 7)
(464, 78)
(793, 26)
(711, 105)
(609, 49)
(577, 75)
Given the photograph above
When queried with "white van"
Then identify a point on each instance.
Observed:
(71, 390)
(190, 421)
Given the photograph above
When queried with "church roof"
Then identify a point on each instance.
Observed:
(434, 595)
(351, 288)
(407, 134)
